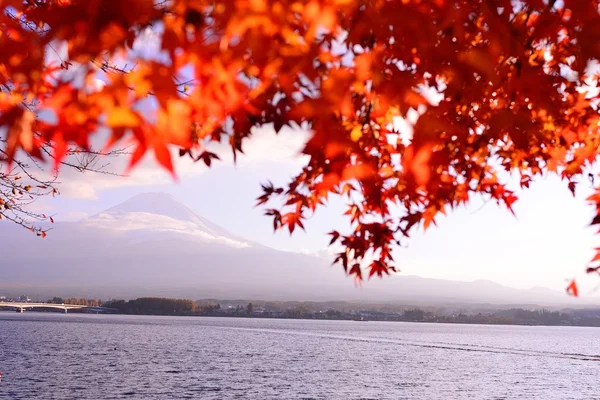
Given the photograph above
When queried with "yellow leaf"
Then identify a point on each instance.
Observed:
(356, 133)
(122, 117)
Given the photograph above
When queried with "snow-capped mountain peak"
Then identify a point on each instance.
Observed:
(149, 213)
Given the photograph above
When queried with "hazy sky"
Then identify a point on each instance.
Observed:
(547, 243)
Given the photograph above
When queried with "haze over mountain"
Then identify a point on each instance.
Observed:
(152, 245)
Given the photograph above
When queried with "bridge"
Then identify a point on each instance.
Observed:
(21, 307)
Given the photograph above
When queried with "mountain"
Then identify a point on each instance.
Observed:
(150, 215)
(152, 245)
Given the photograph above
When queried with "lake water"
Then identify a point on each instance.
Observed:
(81, 356)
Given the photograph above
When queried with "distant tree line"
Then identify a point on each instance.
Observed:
(75, 301)
(513, 316)
(340, 311)
(153, 306)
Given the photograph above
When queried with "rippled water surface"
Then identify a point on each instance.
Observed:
(56, 356)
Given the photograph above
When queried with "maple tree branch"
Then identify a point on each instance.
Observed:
(22, 187)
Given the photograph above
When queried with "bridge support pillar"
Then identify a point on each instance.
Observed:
(19, 310)
(65, 310)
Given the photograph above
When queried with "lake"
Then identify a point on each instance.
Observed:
(84, 356)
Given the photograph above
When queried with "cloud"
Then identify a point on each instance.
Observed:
(96, 85)
(328, 253)
(74, 215)
(267, 146)
(88, 184)
(144, 223)
(39, 208)
(264, 148)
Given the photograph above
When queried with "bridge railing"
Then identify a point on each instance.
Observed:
(20, 307)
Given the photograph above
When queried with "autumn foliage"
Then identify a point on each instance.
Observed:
(500, 87)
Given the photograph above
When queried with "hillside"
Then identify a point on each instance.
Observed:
(153, 245)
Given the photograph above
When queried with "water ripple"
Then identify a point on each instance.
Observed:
(57, 356)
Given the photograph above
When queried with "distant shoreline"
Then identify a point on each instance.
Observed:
(196, 315)
(327, 310)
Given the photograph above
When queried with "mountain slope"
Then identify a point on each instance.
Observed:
(148, 214)
(154, 245)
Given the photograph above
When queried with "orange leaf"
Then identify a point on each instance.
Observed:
(20, 133)
(359, 171)
(429, 217)
(136, 157)
(122, 117)
(328, 183)
(292, 219)
(572, 289)
(164, 157)
(418, 164)
(176, 123)
(362, 64)
(414, 99)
